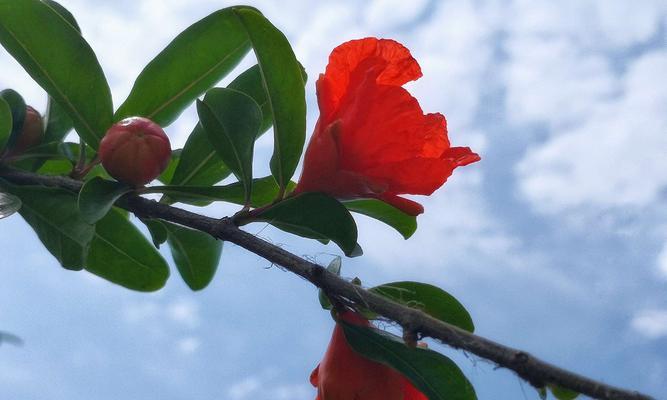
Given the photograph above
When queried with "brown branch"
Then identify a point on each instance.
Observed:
(535, 371)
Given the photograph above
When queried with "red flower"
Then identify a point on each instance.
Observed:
(372, 139)
(345, 375)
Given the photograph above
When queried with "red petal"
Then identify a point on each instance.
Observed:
(395, 62)
(406, 205)
(410, 392)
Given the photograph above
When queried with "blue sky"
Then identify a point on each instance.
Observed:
(556, 242)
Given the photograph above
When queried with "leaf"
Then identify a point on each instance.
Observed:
(97, 196)
(264, 191)
(563, 394)
(157, 230)
(54, 216)
(17, 108)
(5, 123)
(315, 216)
(434, 374)
(284, 85)
(60, 61)
(168, 174)
(250, 82)
(405, 224)
(193, 62)
(196, 254)
(9, 204)
(199, 165)
(334, 267)
(430, 299)
(231, 120)
(58, 123)
(64, 13)
(120, 254)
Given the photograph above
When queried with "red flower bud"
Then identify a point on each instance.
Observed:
(32, 132)
(344, 374)
(372, 139)
(135, 151)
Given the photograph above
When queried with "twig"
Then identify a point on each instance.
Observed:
(533, 370)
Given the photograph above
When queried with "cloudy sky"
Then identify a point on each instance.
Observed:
(556, 242)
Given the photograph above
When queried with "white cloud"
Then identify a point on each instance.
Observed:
(387, 14)
(651, 324)
(616, 157)
(592, 23)
(184, 311)
(553, 80)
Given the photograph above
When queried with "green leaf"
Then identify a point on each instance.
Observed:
(405, 224)
(250, 82)
(168, 174)
(157, 230)
(17, 107)
(434, 374)
(58, 123)
(231, 120)
(334, 267)
(5, 123)
(199, 165)
(97, 196)
(193, 62)
(196, 254)
(54, 216)
(64, 13)
(9, 204)
(120, 254)
(284, 85)
(430, 299)
(264, 191)
(563, 394)
(60, 61)
(315, 216)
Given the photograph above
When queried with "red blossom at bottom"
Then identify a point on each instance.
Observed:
(344, 374)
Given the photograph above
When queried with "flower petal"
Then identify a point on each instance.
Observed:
(397, 65)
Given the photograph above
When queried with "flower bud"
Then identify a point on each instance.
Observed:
(32, 132)
(135, 151)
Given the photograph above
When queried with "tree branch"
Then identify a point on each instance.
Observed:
(535, 371)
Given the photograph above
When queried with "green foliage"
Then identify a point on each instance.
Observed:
(120, 254)
(5, 123)
(53, 215)
(281, 76)
(315, 216)
(563, 394)
(432, 373)
(52, 55)
(175, 78)
(17, 109)
(232, 120)
(405, 224)
(334, 267)
(430, 299)
(196, 254)
(199, 164)
(97, 196)
(264, 191)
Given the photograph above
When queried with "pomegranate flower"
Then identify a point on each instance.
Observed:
(344, 374)
(372, 139)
